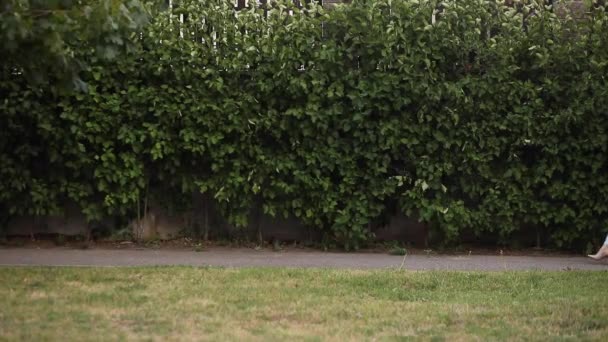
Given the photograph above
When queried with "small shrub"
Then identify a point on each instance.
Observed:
(152, 243)
(276, 245)
(60, 240)
(124, 234)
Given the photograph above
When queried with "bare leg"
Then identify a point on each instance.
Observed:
(602, 253)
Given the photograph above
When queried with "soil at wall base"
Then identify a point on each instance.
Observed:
(189, 244)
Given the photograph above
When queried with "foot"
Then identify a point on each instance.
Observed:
(602, 253)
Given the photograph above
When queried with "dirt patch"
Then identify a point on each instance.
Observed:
(189, 244)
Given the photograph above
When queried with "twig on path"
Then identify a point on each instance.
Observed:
(402, 262)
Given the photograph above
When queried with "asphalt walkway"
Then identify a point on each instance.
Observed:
(242, 257)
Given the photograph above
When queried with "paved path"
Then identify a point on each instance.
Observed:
(291, 258)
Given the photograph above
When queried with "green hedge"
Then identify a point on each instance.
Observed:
(470, 115)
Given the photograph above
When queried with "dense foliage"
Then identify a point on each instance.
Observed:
(469, 115)
(39, 36)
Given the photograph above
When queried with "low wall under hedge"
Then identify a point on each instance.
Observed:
(472, 116)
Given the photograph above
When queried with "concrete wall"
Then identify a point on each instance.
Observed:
(160, 224)
(71, 223)
(404, 229)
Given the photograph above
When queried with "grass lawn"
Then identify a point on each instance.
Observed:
(184, 303)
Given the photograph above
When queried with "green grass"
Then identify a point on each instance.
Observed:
(183, 303)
